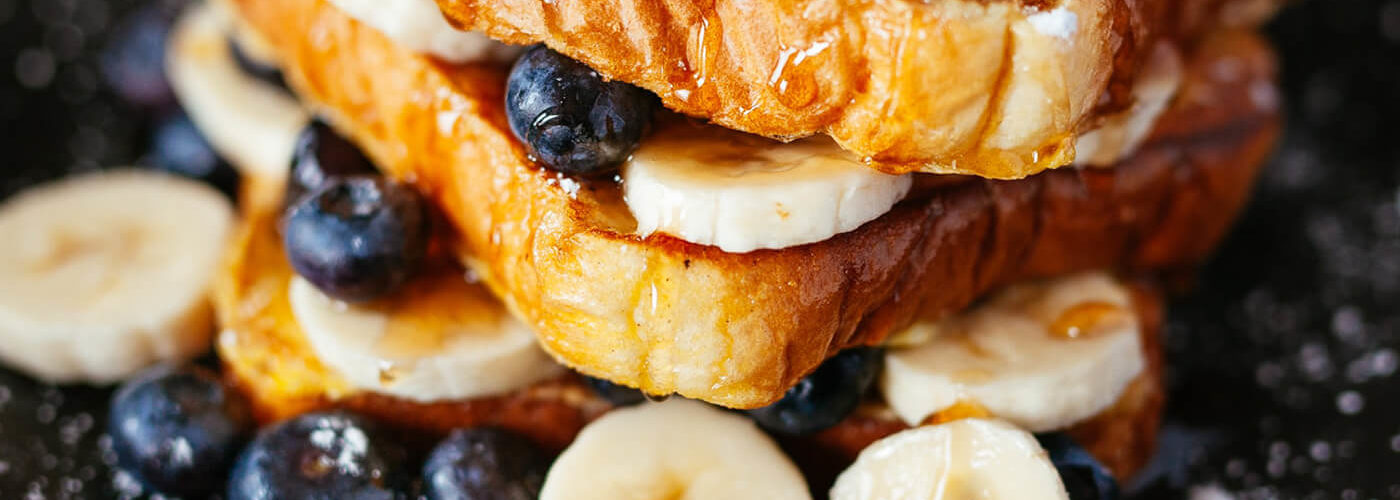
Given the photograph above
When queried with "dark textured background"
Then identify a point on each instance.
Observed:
(1283, 359)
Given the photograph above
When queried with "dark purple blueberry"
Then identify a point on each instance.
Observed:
(178, 430)
(133, 62)
(320, 155)
(178, 147)
(357, 238)
(331, 455)
(1084, 477)
(825, 397)
(484, 464)
(267, 73)
(572, 120)
(617, 394)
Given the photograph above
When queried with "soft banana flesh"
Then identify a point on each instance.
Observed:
(1041, 355)
(252, 123)
(440, 338)
(963, 459)
(108, 273)
(742, 193)
(679, 449)
(418, 25)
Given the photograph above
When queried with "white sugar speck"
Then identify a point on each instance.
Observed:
(1059, 23)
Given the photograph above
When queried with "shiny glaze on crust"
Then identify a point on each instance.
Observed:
(943, 86)
(739, 329)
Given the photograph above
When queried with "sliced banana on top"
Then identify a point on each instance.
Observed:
(418, 25)
(108, 273)
(252, 123)
(1042, 356)
(1121, 134)
(743, 193)
(679, 449)
(963, 459)
(438, 338)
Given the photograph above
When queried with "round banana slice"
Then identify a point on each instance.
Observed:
(252, 123)
(679, 449)
(418, 25)
(439, 338)
(1121, 135)
(108, 273)
(742, 193)
(970, 458)
(1042, 356)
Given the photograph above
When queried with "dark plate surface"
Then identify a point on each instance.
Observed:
(1283, 358)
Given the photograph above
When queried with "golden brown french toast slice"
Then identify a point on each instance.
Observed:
(738, 330)
(998, 89)
(268, 356)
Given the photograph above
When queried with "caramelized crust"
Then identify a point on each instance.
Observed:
(268, 358)
(739, 329)
(998, 89)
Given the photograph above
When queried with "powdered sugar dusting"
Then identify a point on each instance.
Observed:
(1059, 22)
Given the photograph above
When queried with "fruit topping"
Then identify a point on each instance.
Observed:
(617, 394)
(482, 464)
(322, 154)
(178, 430)
(1084, 477)
(318, 455)
(825, 397)
(357, 238)
(178, 147)
(571, 118)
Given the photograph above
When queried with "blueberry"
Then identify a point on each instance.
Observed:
(571, 119)
(825, 397)
(617, 394)
(322, 455)
(357, 238)
(1083, 475)
(322, 154)
(267, 73)
(484, 464)
(178, 147)
(133, 62)
(178, 430)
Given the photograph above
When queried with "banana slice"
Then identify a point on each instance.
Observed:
(418, 25)
(1122, 134)
(108, 273)
(440, 338)
(1042, 356)
(970, 458)
(742, 193)
(250, 122)
(679, 449)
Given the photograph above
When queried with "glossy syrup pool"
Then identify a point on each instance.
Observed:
(1283, 359)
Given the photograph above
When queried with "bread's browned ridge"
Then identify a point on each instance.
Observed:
(942, 86)
(739, 329)
(268, 358)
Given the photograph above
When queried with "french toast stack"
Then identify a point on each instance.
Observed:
(914, 244)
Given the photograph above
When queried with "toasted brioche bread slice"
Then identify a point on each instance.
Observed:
(738, 330)
(268, 356)
(998, 89)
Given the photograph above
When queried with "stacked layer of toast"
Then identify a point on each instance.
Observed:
(669, 316)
